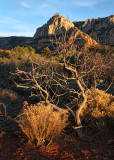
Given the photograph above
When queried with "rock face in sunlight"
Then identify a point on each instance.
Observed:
(80, 38)
(90, 32)
(55, 25)
(101, 29)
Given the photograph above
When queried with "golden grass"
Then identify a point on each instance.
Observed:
(41, 123)
(100, 106)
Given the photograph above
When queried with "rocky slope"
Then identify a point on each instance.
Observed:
(11, 42)
(101, 29)
(57, 25)
(92, 31)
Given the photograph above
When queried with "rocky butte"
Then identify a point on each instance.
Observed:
(56, 26)
(11, 42)
(101, 29)
(91, 31)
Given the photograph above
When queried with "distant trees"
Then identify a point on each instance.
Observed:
(18, 57)
(5, 53)
(101, 49)
(22, 52)
(18, 52)
(46, 52)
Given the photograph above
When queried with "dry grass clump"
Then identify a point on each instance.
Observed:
(99, 109)
(9, 95)
(41, 122)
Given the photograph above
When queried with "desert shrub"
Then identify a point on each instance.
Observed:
(99, 111)
(41, 122)
(19, 57)
(46, 52)
(17, 54)
(103, 49)
(6, 66)
(5, 53)
(22, 53)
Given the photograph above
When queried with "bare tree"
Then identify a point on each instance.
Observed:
(78, 67)
(42, 79)
(81, 65)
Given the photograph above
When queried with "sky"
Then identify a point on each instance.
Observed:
(23, 17)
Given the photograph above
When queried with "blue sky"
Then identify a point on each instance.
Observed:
(22, 17)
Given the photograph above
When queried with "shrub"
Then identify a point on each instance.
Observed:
(41, 122)
(103, 49)
(5, 53)
(46, 52)
(6, 66)
(22, 53)
(99, 111)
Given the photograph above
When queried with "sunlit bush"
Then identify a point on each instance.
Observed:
(5, 53)
(41, 122)
(46, 52)
(99, 110)
(23, 53)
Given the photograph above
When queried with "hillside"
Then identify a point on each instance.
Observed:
(11, 42)
(101, 29)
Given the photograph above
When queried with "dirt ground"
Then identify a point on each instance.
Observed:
(67, 146)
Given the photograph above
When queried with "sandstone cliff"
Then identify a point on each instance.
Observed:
(80, 38)
(55, 25)
(101, 29)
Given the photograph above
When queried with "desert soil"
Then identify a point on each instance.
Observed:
(67, 146)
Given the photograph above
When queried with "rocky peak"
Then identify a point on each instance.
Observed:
(111, 19)
(57, 15)
(55, 26)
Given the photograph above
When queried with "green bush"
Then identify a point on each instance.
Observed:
(5, 53)
(46, 52)
(103, 49)
(22, 53)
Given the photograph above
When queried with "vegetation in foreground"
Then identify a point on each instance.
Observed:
(50, 75)
(42, 122)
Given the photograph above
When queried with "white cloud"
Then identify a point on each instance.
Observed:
(25, 5)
